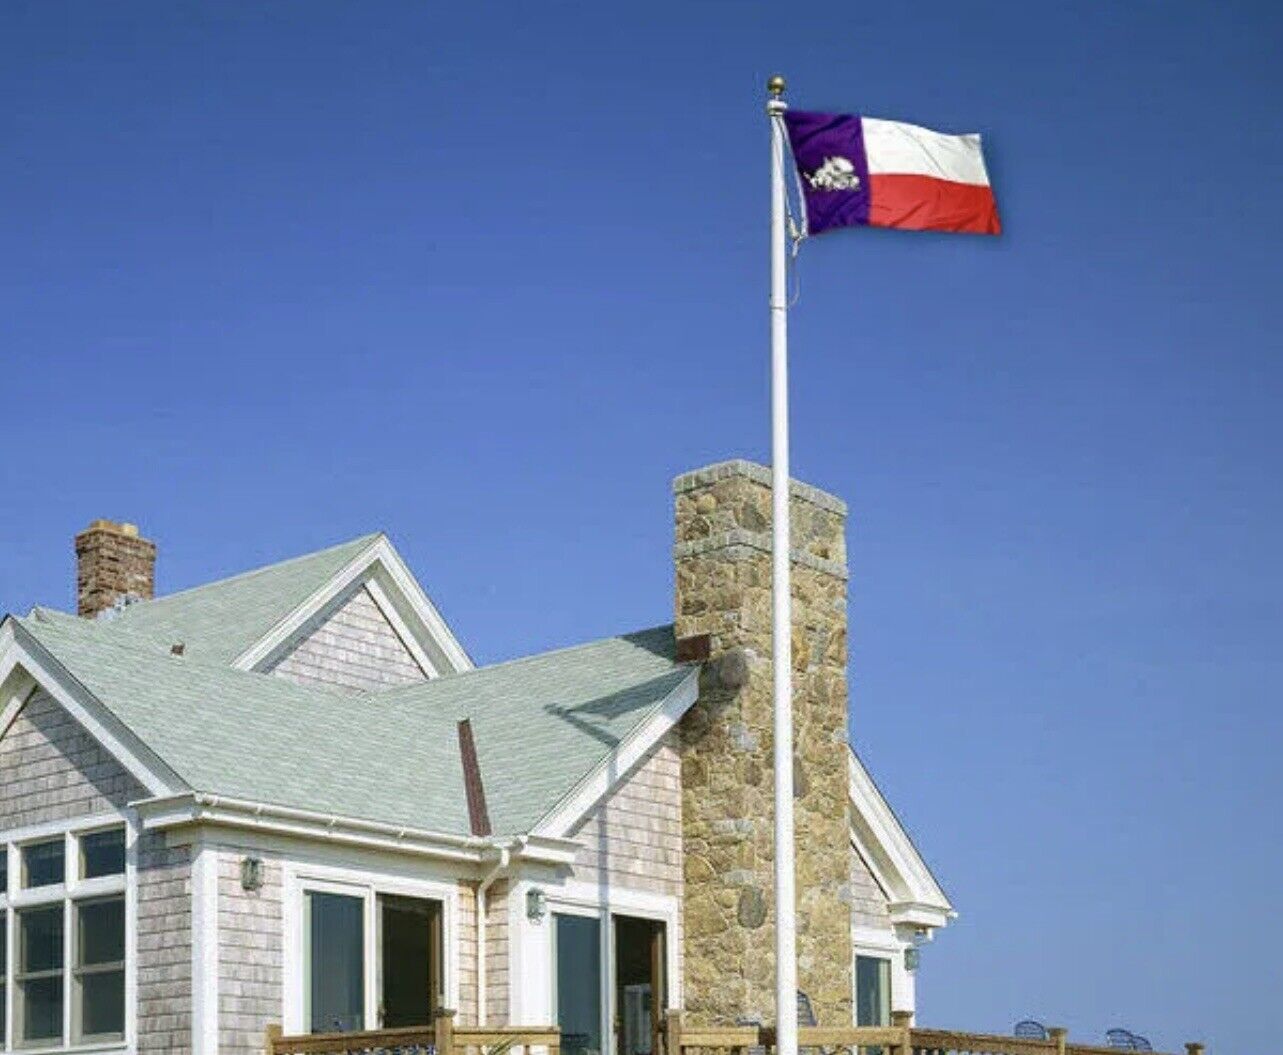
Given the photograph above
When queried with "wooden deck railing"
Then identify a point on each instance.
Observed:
(442, 1038)
(899, 1038)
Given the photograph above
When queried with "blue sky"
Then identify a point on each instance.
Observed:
(488, 276)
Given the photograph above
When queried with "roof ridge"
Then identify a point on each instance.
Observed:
(517, 660)
(367, 540)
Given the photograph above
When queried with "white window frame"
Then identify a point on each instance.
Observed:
(299, 879)
(604, 904)
(68, 894)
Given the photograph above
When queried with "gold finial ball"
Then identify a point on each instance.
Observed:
(775, 86)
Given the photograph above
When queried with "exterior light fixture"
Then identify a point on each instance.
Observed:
(536, 904)
(251, 873)
(911, 958)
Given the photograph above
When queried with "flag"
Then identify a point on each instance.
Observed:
(863, 172)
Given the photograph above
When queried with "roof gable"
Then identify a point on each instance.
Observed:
(219, 621)
(253, 620)
(914, 896)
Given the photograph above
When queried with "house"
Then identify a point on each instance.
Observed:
(290, 797)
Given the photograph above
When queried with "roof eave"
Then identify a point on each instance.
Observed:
(914, 895)
(170, 812)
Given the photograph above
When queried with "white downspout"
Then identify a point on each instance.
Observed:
(494, 873)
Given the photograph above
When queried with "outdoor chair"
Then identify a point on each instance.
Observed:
(1028, 1029)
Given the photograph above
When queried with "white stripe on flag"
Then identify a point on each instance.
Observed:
(897, 148)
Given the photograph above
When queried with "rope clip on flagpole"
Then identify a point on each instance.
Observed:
(781, 597)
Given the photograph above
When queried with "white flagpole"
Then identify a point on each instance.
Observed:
(781, 596)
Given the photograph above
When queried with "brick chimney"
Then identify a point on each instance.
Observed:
(113, 563)
(723, 558)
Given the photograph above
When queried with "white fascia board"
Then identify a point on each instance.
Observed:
(452, 654)
(886, 848)
(400, 598)
(589, 791)
(541, 849)
(20, 650)
(198, 808)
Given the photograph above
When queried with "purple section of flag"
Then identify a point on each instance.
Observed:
(833, 166)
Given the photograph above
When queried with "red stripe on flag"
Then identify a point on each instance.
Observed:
(924, 203)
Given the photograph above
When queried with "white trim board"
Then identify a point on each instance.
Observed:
(611, 770)
(19, 650)
(399, 596)
(914, 896)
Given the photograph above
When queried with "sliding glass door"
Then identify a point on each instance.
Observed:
(577, 979)
(370, 960)
(409, 960)
(609, 989)
(334, 950)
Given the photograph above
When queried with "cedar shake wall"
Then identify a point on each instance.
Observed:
(52, 770)
(633, 837)
(466, 940)
(496, 953)
(868, 902)
(164, 947)
(250, 952)
(351, 647)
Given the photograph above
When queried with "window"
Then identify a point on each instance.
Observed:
(102, 854)
(39, 975)
(67, 929)
(99, 994)
(43, 864)
(872, 991)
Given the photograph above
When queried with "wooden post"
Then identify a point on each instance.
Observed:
(903, 1021)
(1194, 1048)
(1060, 1035)
(270, 1036)
(445, 1032)
(673, 1033)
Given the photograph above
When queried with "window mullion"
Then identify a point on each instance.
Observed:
(68, 953)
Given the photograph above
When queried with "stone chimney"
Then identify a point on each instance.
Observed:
(113, 564)
(723, 558)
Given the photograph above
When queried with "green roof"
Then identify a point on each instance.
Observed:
(221, 621)
(541, 725)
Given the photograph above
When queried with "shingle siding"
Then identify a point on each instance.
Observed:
(164, 947)
(496, 953)
(868, 902)
(466, 941)
(633, 838)
(52, 770)
(250, 952)
(354, 647)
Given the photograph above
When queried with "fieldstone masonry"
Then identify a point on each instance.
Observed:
(723, 558)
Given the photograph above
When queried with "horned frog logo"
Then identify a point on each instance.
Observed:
(837, 173)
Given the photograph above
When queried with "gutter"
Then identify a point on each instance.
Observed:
(198, 807)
